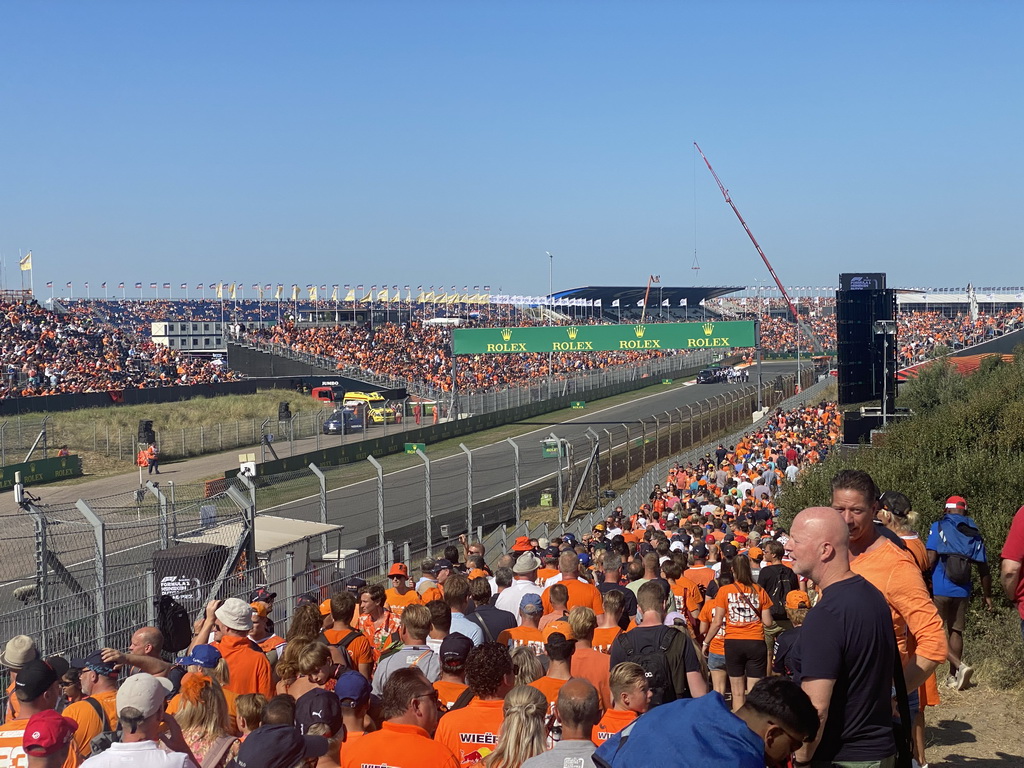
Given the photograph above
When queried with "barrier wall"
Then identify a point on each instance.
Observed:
(41, 471)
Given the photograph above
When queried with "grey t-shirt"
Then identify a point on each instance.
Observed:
(419, 656)
(565, 754)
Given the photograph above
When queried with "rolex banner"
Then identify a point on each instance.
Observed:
(603, 338)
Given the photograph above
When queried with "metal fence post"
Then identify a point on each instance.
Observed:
(469, 489)
(515, 477)
(151, 597)
(162, 501)
(100, 532)
(426, 500)
(406, 552)
(380, 505)
(657, 439)
(629, 451)
(42, 570)
(323, 502)
(289, 589)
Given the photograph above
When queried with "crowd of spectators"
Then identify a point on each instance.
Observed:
(46, 353)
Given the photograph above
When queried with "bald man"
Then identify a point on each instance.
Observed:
(579, 709)
(847, 672)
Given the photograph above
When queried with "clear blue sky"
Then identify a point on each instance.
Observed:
(440, 143)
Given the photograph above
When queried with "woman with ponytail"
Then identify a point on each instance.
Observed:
(523, 734)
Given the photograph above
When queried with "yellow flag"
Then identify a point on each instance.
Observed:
(312, 293)
(220, 290)
(232, 291)
(351, 295)
(334, 294)
(278, 293)
(26, 262)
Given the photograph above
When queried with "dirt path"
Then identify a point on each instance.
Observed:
(979, 727)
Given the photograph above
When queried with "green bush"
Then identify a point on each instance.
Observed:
(966, 438)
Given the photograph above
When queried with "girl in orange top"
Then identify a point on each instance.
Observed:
(743, 608)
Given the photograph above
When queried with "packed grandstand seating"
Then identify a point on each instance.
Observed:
(45, 353)
(101, 345)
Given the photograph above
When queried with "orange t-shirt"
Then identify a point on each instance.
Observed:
(686, 595)
(359, 649)
(449, 691)
(917, 550)
(396, 603)
(89, 723)
(543, 574)
(604, 637)
(471, 733)
(580, 593)
(612, 721)
(743, 607)
(594, 666)
(11, 752)
(397, 746)
(718, 641)
(701, 575)
(549, 686)
(269, 643)
(895, 574)
(518, 636)
(248, 668)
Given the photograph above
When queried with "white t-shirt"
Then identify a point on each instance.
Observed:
(138, 754)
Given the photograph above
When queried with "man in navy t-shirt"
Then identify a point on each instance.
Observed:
(848, 670)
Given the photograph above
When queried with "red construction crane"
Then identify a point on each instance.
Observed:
(818, 347)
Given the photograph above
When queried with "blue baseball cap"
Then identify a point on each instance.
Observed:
(94, 661)
(205, 656)
(584, 558)
(531, 603)
(353, 686)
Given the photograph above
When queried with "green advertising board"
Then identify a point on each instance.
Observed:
(578, 405)
(603, 338)
(412, 447)
(41, 471)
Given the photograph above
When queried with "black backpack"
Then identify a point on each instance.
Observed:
(654, 661)
(174, 624)
(785, 582)
(108, 735)
(342, 645)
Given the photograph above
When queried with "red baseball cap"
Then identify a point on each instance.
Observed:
(46, 732)
(956, 502)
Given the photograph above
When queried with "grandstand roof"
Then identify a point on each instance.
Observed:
(628, 295)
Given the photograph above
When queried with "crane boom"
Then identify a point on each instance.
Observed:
(818, 347)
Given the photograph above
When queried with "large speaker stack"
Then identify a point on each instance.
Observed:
(866, 339)
(146, 433)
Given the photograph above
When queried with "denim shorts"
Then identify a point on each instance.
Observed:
(716, 661)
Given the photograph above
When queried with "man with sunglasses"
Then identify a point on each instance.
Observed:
(98, 711)
(411, 710)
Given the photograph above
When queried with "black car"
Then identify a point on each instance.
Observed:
(343, 421)
(711, 375)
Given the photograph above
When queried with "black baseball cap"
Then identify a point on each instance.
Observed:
(318, 706)
(278, 746)
(34, 679)
(455, 649)
(94, 662)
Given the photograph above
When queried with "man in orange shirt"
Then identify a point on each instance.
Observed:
(454, 651)
(610, 623)
(411, 712)
(686, 596)
(352, 644)
(247, 665)
(37, 691)
(893, 572)
(558, 599)
(559, 645)
(631, 696)
(700, 573)
(99, 683)
(586, 662)
(399, 596)
(528, 632)
(472, 731)
(580, 592)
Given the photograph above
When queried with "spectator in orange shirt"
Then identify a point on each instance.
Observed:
(523, 731)
(37, 691)
(588, 663)
(269, 643)
(556, 604)
(399, 596)
(454, 651)
(528, 633)
(349, 646)
(471, 732)
(47, 740)
(353, 692)
(631, 696)
(559, 645)
(375, 621)
(686, 596)
(248, 667)
(411, 712)
(580, 592)
(609, 623)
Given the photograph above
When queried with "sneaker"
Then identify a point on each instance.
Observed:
(963, 676)
(951, 681)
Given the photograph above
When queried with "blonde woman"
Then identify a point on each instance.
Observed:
(523, 733)
(526, 664)
(206, 660)
(202, 713)
(305, 666)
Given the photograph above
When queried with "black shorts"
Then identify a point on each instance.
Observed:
(746, 658)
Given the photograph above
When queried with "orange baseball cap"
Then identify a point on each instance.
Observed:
(797, 599)
(399, 569)
(558, 627)
(260, 609)
(325, 607)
